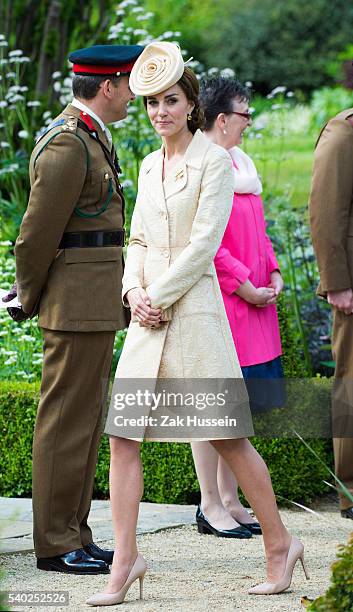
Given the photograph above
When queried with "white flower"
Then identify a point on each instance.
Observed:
(290, 94)
(10, 361)
(2, 125)
(127, 184)
(56, 75)
(168, 34)
(57, 86)
(2, 37)
(3, 62)
(15, 53)
(24, 59)
(227, 72)
(23, 134)
(33, 103)
(48, 121)
(3, 104)
(276, 106)
(67, 82)
(4, 145)
(46, 114)
(248, 83)
(24, 88)
(258, 136)
(279, 89)
(140, 32)
(120, 13)
(4, 43)
(16, 98)
(127, 3)
(137, 9)
(175, 33)
(11, 75)
(5, 243)
(13, 89)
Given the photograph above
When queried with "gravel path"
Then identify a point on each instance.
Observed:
(192, 573)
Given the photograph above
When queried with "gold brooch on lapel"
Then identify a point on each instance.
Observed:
(179, 174)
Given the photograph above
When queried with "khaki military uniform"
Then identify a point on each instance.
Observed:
(331, 215)
(78, 290)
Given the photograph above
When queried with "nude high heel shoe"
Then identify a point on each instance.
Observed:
(295, 552)
(137, 571)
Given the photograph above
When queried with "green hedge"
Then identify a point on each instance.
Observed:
(169, 471)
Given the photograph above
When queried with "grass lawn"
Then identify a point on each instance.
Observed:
(285, 163)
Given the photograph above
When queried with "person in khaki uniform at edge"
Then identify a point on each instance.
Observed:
(331, 216)
(69, 265)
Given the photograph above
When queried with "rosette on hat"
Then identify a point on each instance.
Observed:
(159, 66)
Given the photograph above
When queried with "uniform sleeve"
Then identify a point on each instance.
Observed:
(231, 272)
(214, 207)
(59, 176)
(136, 251)
(330, 204)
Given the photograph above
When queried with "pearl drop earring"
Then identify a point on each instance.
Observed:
(224, 131)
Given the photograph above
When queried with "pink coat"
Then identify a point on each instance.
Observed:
(245, 253)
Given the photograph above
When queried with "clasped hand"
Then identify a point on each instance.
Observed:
(262, 296)
(342, 300)
(141, 310)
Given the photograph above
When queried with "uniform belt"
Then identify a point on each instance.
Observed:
(72, 240)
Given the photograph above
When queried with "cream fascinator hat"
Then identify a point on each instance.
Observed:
(159, 66)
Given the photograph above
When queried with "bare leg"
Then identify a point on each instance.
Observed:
(126, 488)
(228, 491)
(206, 462)
(254, 479)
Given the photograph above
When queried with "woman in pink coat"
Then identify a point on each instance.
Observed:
(250, 280)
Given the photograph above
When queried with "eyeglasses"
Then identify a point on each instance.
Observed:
(246, 116)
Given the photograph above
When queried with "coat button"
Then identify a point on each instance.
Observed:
(166, 253)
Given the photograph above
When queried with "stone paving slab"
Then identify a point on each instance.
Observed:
(16, 533)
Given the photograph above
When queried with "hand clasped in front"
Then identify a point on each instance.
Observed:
(141, 310)
(16, 313)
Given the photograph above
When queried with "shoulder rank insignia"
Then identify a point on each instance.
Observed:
(87, 119)
(50, 127)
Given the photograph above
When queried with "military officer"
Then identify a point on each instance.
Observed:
(69, 269)
(331, 215)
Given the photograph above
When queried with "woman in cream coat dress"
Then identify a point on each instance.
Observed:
(170, 285)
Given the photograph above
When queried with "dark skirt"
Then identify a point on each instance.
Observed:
(265, 385)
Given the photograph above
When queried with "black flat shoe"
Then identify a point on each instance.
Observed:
(347, 513)
(204, 527)
(74, 562)
(98, 553)
(255, 528)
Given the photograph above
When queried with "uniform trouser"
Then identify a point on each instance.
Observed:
(67, 433)
(342, 402)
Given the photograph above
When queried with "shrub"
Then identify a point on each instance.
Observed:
(169, 470)
(339, 597)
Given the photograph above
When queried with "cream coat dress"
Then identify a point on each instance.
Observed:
(176, 229)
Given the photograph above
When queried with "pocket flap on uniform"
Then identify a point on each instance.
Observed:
(90, 254)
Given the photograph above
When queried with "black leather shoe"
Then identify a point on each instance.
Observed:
(203, 526)
(255, 528)
(98, 553)
(347, 513)
(74, 562)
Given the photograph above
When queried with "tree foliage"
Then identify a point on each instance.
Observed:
(271, 42)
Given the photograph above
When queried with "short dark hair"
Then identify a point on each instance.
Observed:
(86, 87)
(190, 86)
(217, 94)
